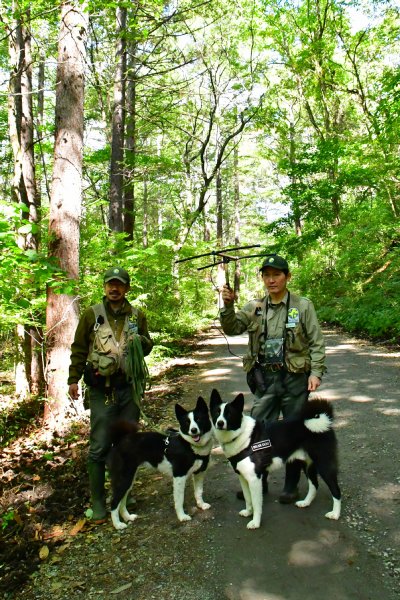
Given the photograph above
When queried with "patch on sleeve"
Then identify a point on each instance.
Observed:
(263, 445)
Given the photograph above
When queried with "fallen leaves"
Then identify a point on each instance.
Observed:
(78, 527)
(121, 589)
(44, 552)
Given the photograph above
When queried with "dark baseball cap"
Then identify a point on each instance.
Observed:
(116, 273)
(275, 261)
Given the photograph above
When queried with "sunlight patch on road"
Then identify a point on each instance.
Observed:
(340, 348)
(329, 393)
(217, 372)
(360, 398)
(236, 340)
(248, 592)
(307, 553)
(390, 412)
(384, 354)
(390, 491)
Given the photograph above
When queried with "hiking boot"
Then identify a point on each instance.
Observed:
(97, 492)
(290, 491)
(289, 497)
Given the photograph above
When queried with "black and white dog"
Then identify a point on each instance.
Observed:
(183, 453)
(253, 448)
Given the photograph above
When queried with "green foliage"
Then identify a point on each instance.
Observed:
(351, 272)
(324, 145)
(7, 518)
(25, 271)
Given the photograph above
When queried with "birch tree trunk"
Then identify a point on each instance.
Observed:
(65, 206)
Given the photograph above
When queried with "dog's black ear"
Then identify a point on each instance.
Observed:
(238, 402)
(179, 411)
(201, 404)
(215, 398)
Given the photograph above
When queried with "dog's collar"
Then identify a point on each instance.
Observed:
(172, 434)
(175, 434)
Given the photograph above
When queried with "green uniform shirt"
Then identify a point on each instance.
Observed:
(84, 335)
(304, 348)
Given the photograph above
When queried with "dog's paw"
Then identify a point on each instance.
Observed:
(204, 505)
(184, 517)
(120, 526)
(333, 515)
(246, 513)
(253, 525)
(129, 517)
(302, 504)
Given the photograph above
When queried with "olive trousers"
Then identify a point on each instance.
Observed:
(285, 393)
(104, 409)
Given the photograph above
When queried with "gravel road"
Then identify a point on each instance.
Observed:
(296, 554)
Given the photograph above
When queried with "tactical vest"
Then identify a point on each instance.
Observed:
(107, 355)
(297, 357)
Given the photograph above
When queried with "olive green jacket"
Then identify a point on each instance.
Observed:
(84, 335)
(304, 348)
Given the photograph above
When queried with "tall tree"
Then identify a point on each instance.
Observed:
(24, 182)
(65, 205)
(118, 125)
(130, 152)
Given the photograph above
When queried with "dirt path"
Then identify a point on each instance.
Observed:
(296, 554)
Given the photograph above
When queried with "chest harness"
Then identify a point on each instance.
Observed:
(110, 357)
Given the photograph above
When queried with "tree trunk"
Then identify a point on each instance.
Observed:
(223, 268)
(206, 224)
(236, 208)
(293, 179)
(65, 206)
(24, 181)
(118, 124)
(218, 197)
(145, 214)
(36, 333)
(129, 200)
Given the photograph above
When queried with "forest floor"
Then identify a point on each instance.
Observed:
(50, 550)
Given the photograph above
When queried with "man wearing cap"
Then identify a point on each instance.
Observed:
(286, 351)
(110, 336)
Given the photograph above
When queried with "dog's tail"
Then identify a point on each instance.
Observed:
(318, 415)
(121, 428)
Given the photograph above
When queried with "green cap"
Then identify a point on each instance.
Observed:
(116, 273)
(275, 261)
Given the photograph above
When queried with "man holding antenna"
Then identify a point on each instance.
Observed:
(286, 352)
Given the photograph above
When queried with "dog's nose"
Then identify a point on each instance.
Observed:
(194, 430)
(220, 424)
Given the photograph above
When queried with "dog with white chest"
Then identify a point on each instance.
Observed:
(253, 448)
(180, 454)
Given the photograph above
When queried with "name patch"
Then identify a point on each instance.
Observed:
(263, 445)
